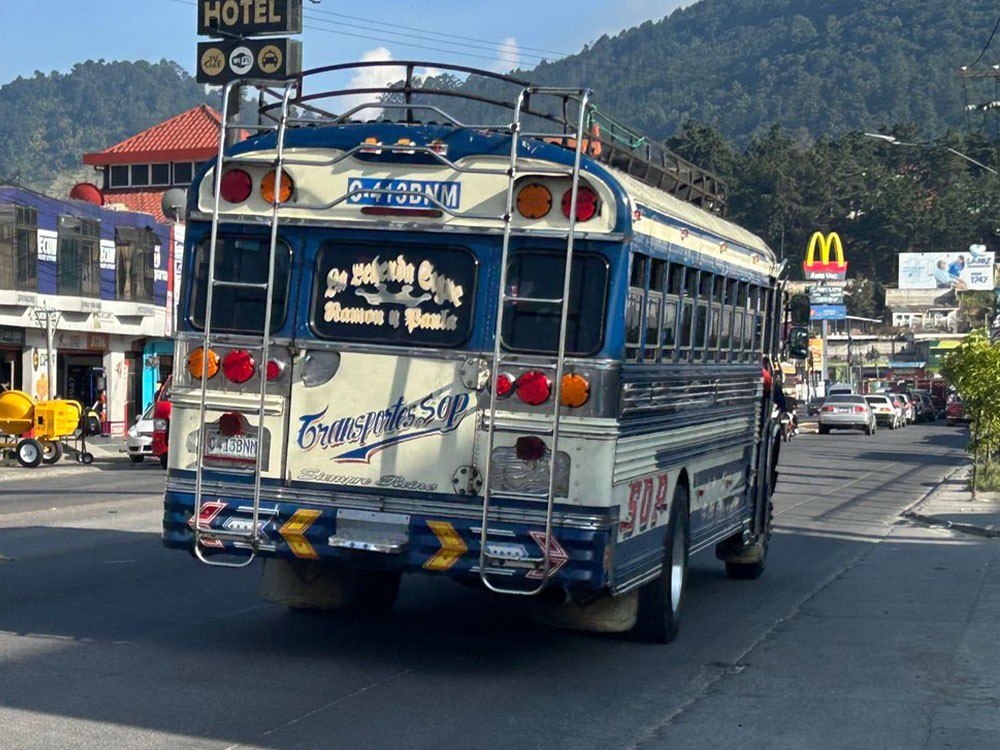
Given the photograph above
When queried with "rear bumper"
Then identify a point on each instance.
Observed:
(439, 535)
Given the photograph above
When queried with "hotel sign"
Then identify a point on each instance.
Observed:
(240, 18)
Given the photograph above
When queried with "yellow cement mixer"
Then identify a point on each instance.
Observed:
(53, 422)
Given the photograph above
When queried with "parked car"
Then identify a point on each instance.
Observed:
(928, 413)
(885, 412)
(897, 404)
(846, 412)
(909, 413)
(161, 422)
(955, 411)
(139, 438)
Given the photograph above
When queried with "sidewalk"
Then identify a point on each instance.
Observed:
(950, 505)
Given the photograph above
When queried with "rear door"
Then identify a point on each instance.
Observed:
(383, 397)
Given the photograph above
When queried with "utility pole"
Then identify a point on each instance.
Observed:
(48, 318)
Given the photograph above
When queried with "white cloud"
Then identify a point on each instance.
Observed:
(377, 77)
(509, 56)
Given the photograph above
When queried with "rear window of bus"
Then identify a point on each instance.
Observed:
(409, 295)
(243, 260)
(534, 326)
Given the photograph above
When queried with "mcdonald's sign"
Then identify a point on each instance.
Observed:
(825, 269)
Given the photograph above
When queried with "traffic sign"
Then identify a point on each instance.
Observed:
(225, 60)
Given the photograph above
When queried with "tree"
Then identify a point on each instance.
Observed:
(974, 369)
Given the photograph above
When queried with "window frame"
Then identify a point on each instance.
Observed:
(79, 241)
(275, 324)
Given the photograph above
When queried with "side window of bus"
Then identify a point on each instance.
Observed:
(671, 303)
(715, 317)
(687, 313)
(534, 327)
(739, 315)
(728, 303)
(752, 329)
(701, 318)
(240, 309)
(654, 309)
(633, 308)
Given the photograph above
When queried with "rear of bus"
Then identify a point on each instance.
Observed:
(377, 384)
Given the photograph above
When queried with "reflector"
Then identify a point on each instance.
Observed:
(201, 365)
(534, 201)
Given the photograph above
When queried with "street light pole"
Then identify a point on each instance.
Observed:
(48, 317)
(891, 139)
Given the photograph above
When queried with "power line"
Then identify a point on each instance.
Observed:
(498, 51)
(434, 33)
(987, 45)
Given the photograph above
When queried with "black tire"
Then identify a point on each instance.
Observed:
(52, 451)
(163, 460)
(136, 458)
(824, 430)
(376, 591)
(29, 453)
(661, 601)
(87, 458)
(869, 430)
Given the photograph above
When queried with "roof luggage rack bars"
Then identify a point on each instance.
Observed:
(547, 113)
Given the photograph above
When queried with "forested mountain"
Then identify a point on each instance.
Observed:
(49, 121)
(817, 67)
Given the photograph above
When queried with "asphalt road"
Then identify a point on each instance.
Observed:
(109, 641)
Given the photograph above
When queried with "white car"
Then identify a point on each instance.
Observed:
(139, 439)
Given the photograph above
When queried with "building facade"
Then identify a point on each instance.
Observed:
(82, 288)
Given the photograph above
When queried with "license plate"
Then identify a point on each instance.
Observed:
(404, 193)
(236, 448)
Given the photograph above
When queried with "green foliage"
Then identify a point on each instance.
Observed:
(50, 121)
(974, 369)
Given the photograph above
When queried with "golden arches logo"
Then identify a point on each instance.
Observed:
(825, 268)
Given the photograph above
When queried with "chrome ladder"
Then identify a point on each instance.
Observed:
(491, 565)
(204, 537)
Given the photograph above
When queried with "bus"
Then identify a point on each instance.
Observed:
(525, 350)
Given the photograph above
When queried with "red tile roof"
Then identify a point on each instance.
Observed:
(146, 201)
(190, 136)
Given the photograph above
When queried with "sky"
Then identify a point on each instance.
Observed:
(53, 35)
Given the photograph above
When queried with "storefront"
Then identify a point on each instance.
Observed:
(11, 349)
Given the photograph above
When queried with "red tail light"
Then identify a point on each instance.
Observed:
(827, 408)
(236, 186)
(529, 448)
(586, 203)
(230, 424)
(238, 366)
(533, 388)
(859, 409)
(505, 384)
(273, 370)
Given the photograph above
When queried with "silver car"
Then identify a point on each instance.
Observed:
(847, 412)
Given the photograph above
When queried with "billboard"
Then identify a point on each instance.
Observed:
(962, 270)
(827, 312)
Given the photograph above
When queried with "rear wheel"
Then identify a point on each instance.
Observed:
(661, 600)
(163, 460)
(824, 430)
(136, 458)
(52, 451)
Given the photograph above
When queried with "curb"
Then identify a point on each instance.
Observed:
(913, 513)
